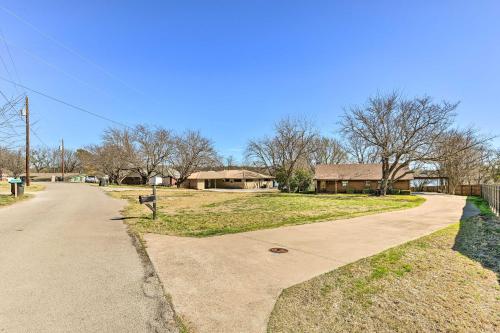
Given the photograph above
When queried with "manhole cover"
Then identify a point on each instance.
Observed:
(278, 250)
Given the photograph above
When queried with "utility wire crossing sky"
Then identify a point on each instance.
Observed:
(233, 68)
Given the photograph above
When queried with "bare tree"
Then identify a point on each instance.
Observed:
(192, 152)
(230, 161)
(86, 160)
(116, 155)
(12, 161)
(10, 121)
(264, 153)
(461, 155)
(54, 159)
(110, 160)
(4, 155)
(491, 167)
(11, 158)
(327, 151)
(40, 158)
(153, 147)
(361, 152)
(71, 161)
(280, 155)
(400, 130)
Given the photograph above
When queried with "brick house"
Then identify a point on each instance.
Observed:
(168, 177)
(342, 178)
(229, 179)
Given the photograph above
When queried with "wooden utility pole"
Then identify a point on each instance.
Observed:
(27, 143)
(62, 159)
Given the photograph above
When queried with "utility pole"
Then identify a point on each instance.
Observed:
(62, 159)
(27, 143)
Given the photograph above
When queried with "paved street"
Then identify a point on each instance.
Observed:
(230, 283)
(67, 266)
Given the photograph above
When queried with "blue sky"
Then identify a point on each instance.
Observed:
(232, 68)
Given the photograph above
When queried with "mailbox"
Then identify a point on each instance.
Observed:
(157, 180)
(146, 199)
(14, 180)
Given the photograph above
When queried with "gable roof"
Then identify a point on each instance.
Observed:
(354, 172)
(229, 174)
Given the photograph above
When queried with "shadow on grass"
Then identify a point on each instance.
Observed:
(478, 238)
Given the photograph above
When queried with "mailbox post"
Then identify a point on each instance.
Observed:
(151, 199)
(154, 202)
(15, 183)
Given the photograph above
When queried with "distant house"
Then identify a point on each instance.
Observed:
(134, 178)
(228, 179)
(342, 178)
(47, 176)
(4, 174)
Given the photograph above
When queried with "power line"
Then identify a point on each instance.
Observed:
(3, 112)
(11, 103)
(70, 50)
(5, 66)
(14, 148)
(57, 68)
(38, 137)
(6, 98)
(66, 103)
(11, 58)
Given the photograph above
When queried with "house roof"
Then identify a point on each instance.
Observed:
(354, 172)
(50, 174)
(229, 174)
(428, 174)
(165, 173)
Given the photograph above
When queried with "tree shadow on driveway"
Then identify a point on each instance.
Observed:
(122, 218)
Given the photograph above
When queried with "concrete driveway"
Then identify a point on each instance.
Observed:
(67, 266)
(230, 283)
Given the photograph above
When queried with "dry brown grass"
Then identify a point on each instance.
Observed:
(204, 213)
(421, 286)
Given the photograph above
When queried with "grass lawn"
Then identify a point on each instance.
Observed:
(204, 213)
(7, 199)
(482, 205)
(444, 282)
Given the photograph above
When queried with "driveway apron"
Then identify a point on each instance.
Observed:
(230, 283)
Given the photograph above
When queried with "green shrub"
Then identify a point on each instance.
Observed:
(405, 192)
(300, 181)
(367, 191)
(350, 191)
(395, 191)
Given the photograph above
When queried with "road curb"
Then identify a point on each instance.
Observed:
(166, 319)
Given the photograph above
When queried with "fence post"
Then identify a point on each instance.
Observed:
(497, 200)
(491, 193)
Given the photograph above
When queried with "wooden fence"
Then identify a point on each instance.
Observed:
(491, 193)
(459, 190)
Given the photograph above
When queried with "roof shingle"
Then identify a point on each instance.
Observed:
(354, 172)
(228, 174)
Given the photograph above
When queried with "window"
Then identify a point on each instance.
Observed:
(367, 183)
(249, 180)
(226, 180)
(344, 183)
(237, 180)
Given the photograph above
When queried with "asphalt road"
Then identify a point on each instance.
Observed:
(68, 265)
